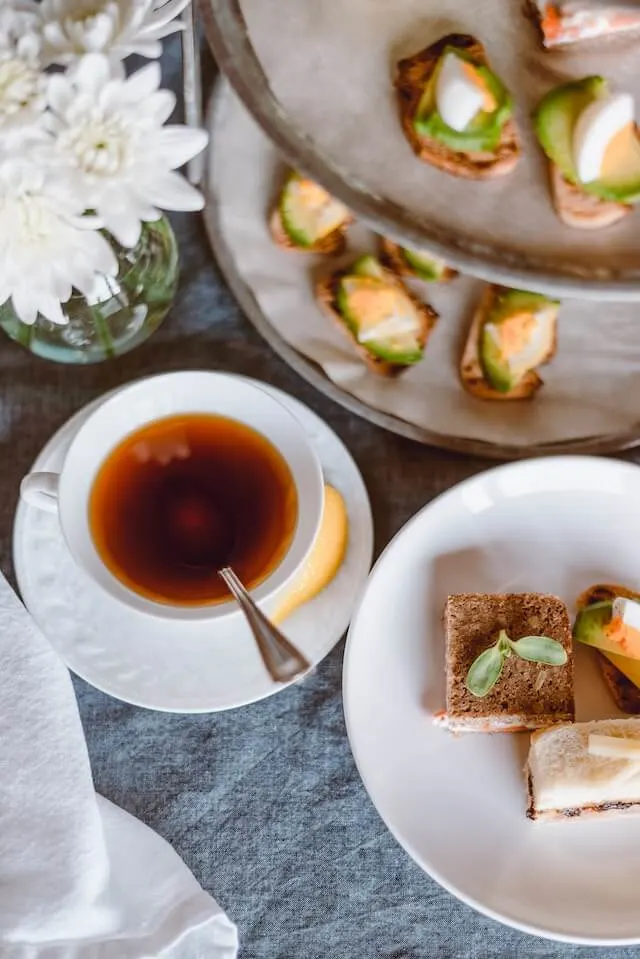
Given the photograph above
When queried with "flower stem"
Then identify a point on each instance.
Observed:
(102, 330)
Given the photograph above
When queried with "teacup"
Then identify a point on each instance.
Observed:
(136, 410)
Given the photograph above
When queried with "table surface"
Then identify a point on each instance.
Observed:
(263, 803)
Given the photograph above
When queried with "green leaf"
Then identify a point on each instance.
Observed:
(540, 649)
(485, 672)
(504, 643)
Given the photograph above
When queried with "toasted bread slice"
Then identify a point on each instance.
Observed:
(471, 372)
(413, 74)
(326, 291)
(330, 245)
(582, 210)
(625, 693)
(393, 257)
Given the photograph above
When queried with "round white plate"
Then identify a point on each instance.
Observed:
(188, 667)
(457, 804)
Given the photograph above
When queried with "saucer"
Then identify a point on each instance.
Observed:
(189, 667)
(457, 804)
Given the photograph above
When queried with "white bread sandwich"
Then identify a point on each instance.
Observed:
(584, 769)
(570, 21)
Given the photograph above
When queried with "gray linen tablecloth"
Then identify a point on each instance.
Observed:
(263, 803)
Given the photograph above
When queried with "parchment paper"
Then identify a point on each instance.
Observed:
(591, 387)
(331, 66)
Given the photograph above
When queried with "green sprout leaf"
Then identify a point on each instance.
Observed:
(485, 671)
(540, 649)
(504, 643)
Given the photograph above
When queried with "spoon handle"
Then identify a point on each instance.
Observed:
(283, 661)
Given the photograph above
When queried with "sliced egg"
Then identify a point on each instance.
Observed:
(524, 339)
(598, 125)
(628, 611)
(460, 93)
(395, 325)
(317, 208)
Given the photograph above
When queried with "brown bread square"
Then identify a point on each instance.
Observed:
(527, 695)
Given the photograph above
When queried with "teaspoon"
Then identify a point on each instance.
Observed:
(283, 661)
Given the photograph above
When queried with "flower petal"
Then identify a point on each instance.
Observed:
(124, 227)
(143, 83)
(159, 33)
(163, 13)
(170, 191)
(91, 73)
(177, 144)
(25, 303)
(60, 93)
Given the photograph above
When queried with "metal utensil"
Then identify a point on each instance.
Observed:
(192, 87)
(283, 661)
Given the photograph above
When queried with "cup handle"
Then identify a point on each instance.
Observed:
(41, 490)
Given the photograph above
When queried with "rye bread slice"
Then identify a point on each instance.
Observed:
(471, 372)
(393, 257)
(626, 694)
(326, 294)
(580, 209)
(330, 245)
(413, 74)
(527, 695)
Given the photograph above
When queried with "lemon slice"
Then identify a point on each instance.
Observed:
(324, 560)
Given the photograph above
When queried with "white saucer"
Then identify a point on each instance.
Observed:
(191, 667)
(457, 804)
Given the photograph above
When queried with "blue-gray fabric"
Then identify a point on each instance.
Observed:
(263, 803)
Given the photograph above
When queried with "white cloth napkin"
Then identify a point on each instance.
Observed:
(79, 878)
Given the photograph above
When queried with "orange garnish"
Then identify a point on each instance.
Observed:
(551, 22)
(489, 101)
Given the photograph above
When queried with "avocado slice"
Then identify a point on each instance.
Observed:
(554, 123)
(495, 367)
(368, 266)
(424, 265)
(484, 132)
(366, 301)
(589, 623)
(307, 212)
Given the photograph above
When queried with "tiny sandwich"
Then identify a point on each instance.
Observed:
(509, 663)
(569, 21)
(590, 138)
(455, 111)
(386, 323)
(408, 261)
(512, 333)
(307, 218)
(609, 621)
(584, 769)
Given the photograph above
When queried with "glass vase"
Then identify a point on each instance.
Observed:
(122, 310)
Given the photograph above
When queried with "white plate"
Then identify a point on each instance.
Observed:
(457, 804)
(191, 667)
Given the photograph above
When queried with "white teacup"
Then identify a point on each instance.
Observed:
(68, 493)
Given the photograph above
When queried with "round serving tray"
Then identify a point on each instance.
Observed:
(243, 35)
(310, 371)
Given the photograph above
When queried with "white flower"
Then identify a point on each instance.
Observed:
(110, 133)
(119, 28)
(22, 83)
(46, 246)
